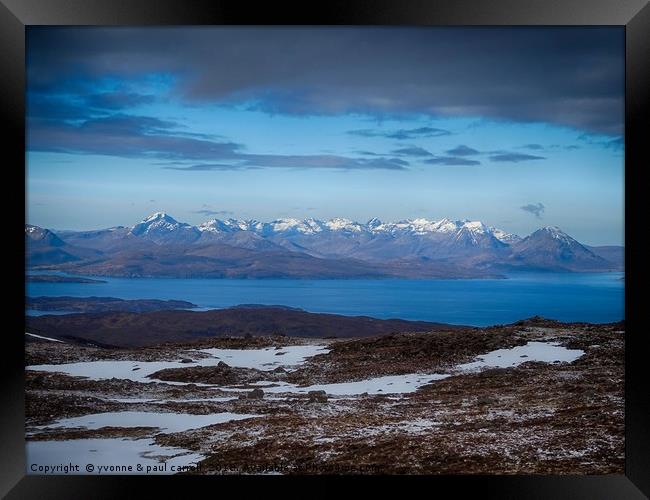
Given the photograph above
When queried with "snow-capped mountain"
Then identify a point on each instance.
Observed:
(158, 222)
(346, 225)
(311, 226)
(475, 234)
(217, 226)
(162, 228)
(373, 240)
(419, 226)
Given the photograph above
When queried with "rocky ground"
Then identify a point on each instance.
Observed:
(536, 418)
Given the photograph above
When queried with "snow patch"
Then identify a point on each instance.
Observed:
(545, 352)
(44, 338)
(138, 371)
(265, 359)
(390, 384)
(166, 422)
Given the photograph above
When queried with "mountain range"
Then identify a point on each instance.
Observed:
(161, 246)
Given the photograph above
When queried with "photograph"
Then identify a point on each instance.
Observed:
(339, 250)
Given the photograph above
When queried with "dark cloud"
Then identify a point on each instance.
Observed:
(572, 76)
(211, 213)
(402, 134)
(616, 143)
(251, 161)
(452, 161)
(117, 100)
(125, 136)
(82, 106)
(127, 125)
(551, 147)
(54, 108)
(367, 153)
(514, 157)
(462, 151)
(205, 167)
(95, 124)
(412, 151)
(146, 137)
(537, 209)
(323, 161)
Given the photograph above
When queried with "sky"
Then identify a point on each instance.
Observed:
(517, 127)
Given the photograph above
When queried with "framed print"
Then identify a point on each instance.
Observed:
(356, 240)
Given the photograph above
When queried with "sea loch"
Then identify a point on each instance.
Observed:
(588, 297)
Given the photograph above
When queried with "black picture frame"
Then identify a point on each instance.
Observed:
(15, 15)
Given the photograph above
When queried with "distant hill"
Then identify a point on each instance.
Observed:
(611, 253)
(103, 304)
(45, 247)
(55, 278)
(124, 329)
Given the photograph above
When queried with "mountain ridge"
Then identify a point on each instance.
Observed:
(159, 245)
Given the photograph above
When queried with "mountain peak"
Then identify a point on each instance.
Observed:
(343, 224)
(445, 225)
(42, 235)
(285, 224)
(156, 216)
(218, 226)
(552, 229)
(554, 232)
(161, 227)
(474, 225)
(551, 248)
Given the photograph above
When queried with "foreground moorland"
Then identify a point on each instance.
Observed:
(536, 396)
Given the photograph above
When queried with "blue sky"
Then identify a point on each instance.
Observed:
(516, 127)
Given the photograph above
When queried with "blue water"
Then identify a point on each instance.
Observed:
(596, 298)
